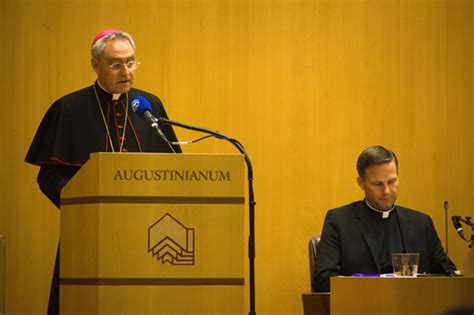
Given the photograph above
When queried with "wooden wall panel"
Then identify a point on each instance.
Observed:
(305, 85)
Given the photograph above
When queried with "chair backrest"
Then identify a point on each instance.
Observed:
(313, 251)
(315, 302)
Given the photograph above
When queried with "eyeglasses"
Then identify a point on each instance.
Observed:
(132, 64)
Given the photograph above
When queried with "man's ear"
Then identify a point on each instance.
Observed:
(361, 182)
(95, 65)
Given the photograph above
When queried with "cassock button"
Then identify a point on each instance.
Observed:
(122, 138)
(118, 114)
(124, 150)
(115, 102)
(119, 126)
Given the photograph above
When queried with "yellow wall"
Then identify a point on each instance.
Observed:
(305, 86)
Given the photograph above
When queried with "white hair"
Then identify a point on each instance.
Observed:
(98, 47)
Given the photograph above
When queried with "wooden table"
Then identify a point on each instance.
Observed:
(427, 295)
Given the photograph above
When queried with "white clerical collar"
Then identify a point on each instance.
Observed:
(385, 214)
(114, 96)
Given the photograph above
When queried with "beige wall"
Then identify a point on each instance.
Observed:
(305, 86)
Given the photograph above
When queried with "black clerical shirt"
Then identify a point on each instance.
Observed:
(387, 237)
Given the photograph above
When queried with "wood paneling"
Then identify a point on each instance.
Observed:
(305, 86)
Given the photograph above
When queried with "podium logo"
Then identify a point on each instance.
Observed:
(171, 241)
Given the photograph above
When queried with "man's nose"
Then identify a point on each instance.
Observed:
(124, 69)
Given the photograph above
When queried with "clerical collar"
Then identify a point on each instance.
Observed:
(385, 214)
(115, 97)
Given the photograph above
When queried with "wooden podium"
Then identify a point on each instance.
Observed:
(154, 234)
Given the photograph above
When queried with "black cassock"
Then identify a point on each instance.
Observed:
(74, 126)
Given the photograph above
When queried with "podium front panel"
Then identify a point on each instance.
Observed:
(154, 244)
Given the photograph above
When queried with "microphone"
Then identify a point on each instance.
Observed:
(142, 107)
(457, 225)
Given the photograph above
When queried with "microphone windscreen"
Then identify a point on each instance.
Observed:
(140, 105)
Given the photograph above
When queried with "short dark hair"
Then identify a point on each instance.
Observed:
(374, 155)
